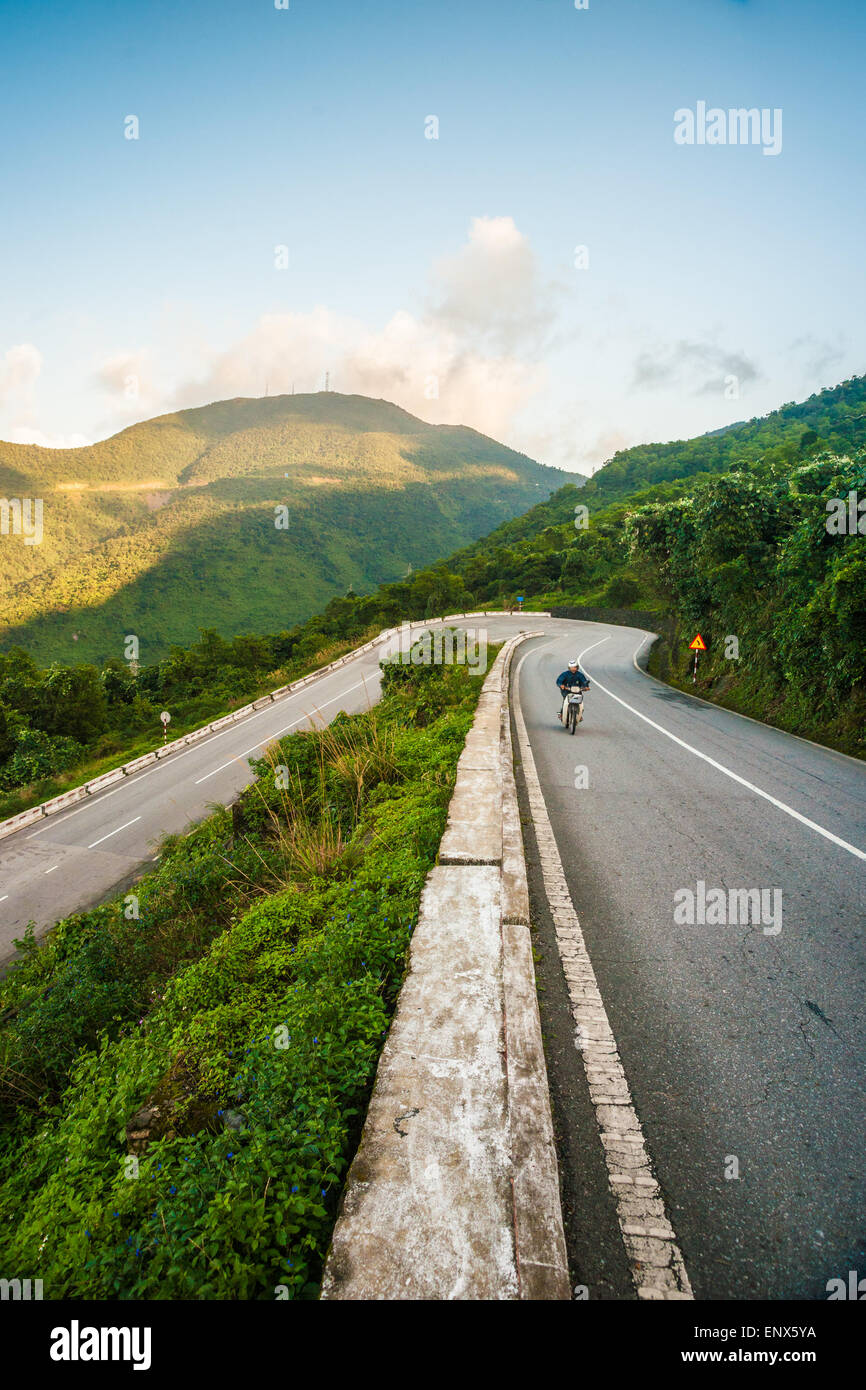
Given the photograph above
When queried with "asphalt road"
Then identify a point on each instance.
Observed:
(737, 1043)
(82, 856)
(78, 858)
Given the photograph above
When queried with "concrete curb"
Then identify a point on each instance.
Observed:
(654, 1256)
(454, 1191)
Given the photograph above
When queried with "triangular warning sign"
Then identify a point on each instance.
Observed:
(699, 645)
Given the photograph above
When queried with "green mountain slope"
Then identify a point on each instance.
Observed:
(834, 419)
(744, 553)
(753, 546)
(171, 525)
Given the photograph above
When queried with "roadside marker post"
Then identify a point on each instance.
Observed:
(166, 720)
(697, 645)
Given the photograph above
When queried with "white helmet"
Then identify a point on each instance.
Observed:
(573, 663)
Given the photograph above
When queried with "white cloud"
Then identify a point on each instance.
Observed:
(470, 357)
(490, 291)
(126, 375)
(19, 370)
(24, 434)
(699, 367)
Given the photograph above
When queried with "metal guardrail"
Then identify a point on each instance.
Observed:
(107, 779)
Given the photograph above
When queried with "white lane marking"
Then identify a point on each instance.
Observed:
(738, 714)
(655, 1260)
(114, 832)
(637, 649)
(53, 867)
(271, 737)
(592, 648)
(735, 776)
(3, 899)
(176, 757)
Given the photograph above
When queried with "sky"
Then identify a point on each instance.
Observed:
(487, 211)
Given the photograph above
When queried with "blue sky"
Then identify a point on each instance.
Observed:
(138, 276)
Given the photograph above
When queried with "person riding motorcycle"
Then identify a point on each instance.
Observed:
(572, 679)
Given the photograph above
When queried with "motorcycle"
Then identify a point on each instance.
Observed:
(575, 700)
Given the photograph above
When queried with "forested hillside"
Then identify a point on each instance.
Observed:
(751, 553)
(833, 420)
(247, 514)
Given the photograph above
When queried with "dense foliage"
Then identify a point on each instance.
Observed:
(231, 1012)
(832, 420)
(741, 552)
(752, 558)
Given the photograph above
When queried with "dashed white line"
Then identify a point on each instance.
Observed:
(53, 867)
(3, 899)
(114, 832)
(728, 772)
(655, 1260)
(271, 737)
(138, 777)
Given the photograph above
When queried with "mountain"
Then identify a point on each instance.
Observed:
(740, 549)
(171, 525)
(746, 538)
(833, 419)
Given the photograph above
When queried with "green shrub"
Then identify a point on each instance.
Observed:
(244, 1008)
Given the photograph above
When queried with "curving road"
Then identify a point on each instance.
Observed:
(76, 859)
(80, 857)
(739, 1041)
(743, 1045)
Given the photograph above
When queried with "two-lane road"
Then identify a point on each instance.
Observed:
(743, 1042)
(75, 859)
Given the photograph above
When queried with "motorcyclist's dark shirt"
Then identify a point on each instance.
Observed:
(572, 678)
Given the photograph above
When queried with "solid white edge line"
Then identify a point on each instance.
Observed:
(729, 772)
(645, 1227)
(738, 714)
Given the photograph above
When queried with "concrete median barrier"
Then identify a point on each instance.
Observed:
(21, 821)
(454, 1191)
(198, 734)
(137, 764)
(107, 779)
(60, 803)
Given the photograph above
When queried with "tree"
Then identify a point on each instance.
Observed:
(621, 592)
(7, 734)
(71, 702)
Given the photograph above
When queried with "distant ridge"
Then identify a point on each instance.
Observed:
(169, 525)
